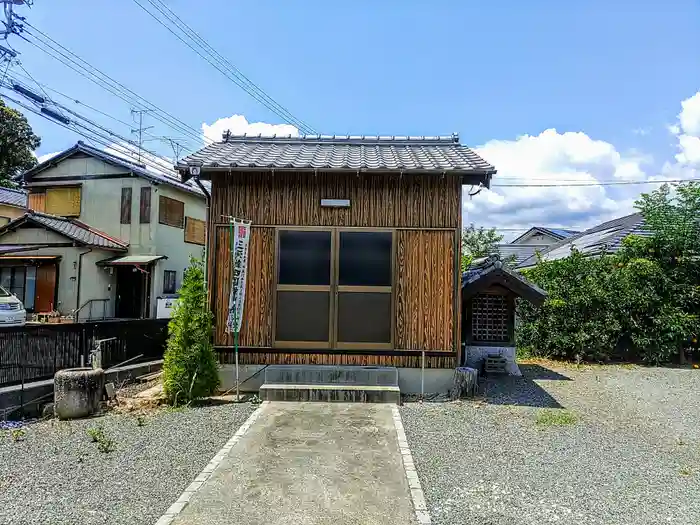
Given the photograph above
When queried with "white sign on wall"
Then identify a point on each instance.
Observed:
(241, 239)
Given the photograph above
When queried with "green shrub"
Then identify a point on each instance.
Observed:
(190, 369)
(640, 304)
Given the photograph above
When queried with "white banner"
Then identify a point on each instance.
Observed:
(241, 238)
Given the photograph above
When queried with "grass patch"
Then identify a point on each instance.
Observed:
(554, 417)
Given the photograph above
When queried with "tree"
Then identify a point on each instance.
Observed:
(190, 369)
(17, 143)
(641, 303)
(478, 242)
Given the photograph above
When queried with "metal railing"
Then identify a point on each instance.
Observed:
(89, 303)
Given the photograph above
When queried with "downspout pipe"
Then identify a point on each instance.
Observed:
(207, 196)
(80, 273)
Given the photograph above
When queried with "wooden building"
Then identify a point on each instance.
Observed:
(489, 291)
(354, 255)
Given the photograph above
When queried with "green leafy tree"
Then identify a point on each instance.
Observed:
(190, 369)
(478, 242)
(17, 142)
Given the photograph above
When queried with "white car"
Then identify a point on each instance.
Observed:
(12, 312)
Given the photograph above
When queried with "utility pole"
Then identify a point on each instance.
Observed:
(140, 129)
(11, 25)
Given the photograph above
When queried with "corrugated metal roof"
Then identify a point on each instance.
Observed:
(131, 260)
(13, 197)
(603, 238)
(141, 170)
(71, 228)
(420, 154)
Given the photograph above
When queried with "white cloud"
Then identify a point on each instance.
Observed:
(641, 131)
(239, 125)
(689, 117)
(687, 132)
(47, 156)
(550, 159)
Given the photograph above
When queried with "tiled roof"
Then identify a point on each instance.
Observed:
(141, 170)
(13, 197)
(419, 154)
(71, 228)
(557, 233)
(492, 270)
(603, 238)
(517, 253)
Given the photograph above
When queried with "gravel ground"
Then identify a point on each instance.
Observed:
(632, 456)
(56, 475)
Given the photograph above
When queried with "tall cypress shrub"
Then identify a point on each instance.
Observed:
(190, 368)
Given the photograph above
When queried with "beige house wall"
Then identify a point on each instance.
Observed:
(101, 208)
(95, 282)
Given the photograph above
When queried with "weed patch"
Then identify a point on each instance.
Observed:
(553, 417)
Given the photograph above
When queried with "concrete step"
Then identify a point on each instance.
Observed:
(331, 375)
(338, 393)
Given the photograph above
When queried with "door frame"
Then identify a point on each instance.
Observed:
(276, 287)
(375, 289)
(333, 290)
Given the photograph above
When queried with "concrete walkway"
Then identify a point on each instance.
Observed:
(309, 464)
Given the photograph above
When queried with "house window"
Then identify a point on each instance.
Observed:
(145, 205)
(125, 214)
(194, 231)
(171, 212)
(21, 281)
(490, 318)
(169, 281)
(63, 201)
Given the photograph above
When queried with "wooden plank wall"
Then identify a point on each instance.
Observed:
(376, 200)
(425, 280)
(256, 329)
(226, 356)
(425, 265)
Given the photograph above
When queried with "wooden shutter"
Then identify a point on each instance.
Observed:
(194, 230)
(37, 201)
(125, 217)
(63, 201)
(171, 212)
(145, 205)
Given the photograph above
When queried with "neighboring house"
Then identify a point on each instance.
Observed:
(354, 248)
(13, 203)
(603, 238)
(537, 239)
(103, 235)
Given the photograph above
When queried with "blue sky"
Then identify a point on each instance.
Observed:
(611, 74)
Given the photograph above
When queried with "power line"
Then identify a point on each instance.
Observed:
(54, 49)
(556, 184)
(94, 132)
(220, 63)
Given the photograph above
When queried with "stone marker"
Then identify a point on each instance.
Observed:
(78, 392)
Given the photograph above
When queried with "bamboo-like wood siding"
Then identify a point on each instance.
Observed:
(376, 200)
(226, 356)
(425, 281)
(37, 201)
(256, 329)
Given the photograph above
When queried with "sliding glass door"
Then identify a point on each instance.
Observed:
(334, 288)
(364, 289)
(303, 294)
